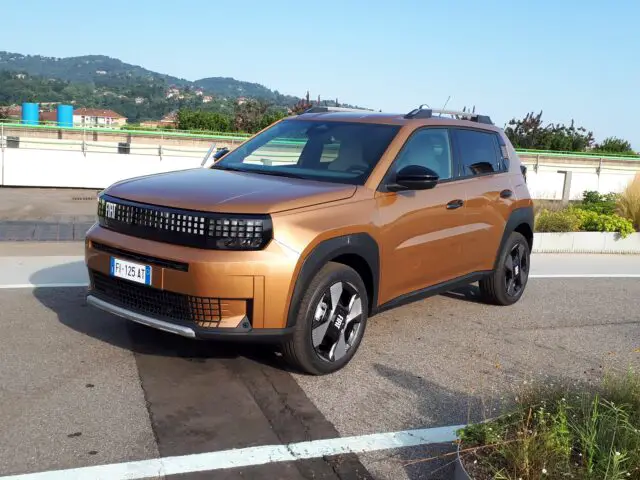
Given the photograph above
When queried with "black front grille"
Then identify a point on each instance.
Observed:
(182, 227)
(203, 311)
(162, 262)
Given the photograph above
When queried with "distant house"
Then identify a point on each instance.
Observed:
(207, 98)
(48, 117)
(94, 117)
(14, 112)
(172, 92)
(170, 119)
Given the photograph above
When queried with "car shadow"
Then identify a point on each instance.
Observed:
(72, 310)
(467, 293)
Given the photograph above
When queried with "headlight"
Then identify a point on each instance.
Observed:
(240, 233)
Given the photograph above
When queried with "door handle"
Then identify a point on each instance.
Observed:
(506, 194)
(453, 204)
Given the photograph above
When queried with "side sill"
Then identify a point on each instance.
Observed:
(432, 290)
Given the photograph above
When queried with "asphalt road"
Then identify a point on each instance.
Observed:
(80, 387)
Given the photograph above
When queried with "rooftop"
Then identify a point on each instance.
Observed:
(97, 112)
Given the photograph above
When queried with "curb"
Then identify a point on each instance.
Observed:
(586, 242)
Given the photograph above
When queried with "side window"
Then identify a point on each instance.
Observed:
(429, 147)
(479, 152)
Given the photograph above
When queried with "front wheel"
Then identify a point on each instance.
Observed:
(330, 324)
(507, 282)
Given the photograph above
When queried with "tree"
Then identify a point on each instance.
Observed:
(614, 145)
(200, 120)
(529, 133)
(302, 105)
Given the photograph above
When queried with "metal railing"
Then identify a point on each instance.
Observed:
(237, 137)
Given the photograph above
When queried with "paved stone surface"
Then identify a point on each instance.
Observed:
(58, 205)
(40, 231)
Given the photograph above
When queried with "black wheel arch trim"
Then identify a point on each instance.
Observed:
(519, 216)
(361, 244)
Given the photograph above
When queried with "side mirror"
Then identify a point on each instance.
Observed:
(414, 177)
(222, 151)
(210, 158)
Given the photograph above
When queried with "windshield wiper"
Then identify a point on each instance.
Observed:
(233, 169)
(278, 173)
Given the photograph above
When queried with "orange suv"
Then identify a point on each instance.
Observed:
(313, 225)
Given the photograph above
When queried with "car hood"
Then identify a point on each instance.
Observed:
(225, 191)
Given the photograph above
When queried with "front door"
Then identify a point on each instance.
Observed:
(421, 230)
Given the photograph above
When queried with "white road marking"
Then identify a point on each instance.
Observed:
(44, 285)
(251, 456)
(587, 275)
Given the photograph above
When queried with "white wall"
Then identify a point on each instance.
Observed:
(548, 184)
(63, 164)
(58, 168)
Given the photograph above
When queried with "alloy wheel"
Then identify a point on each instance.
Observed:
(516, 270)
(337, 321)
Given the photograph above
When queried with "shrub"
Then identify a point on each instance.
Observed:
(591, 221)
(597, 202)
(557, 221)
(574, 219)
(629, 202)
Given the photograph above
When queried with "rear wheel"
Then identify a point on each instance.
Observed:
(506, 284)
(331, 319)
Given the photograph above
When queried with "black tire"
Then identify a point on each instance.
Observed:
(497, 287)
(299, 351)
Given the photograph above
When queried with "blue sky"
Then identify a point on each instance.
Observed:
(571, 59)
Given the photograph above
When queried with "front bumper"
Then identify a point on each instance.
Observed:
(262, 335)
(194, 293)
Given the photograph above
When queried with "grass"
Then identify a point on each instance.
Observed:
(561, 433)
(629, 202)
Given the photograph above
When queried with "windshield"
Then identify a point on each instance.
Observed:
(341, 152)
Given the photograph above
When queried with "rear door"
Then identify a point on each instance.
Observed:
(483, 172)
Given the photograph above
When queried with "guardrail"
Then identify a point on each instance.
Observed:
(238, 137)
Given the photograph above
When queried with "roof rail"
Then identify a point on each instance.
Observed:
(333, 109)
(458, 115)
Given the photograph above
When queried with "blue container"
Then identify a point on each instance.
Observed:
(30, 113)
(65, 115)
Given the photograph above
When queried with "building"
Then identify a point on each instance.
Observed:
(170, 119)
(94, 117)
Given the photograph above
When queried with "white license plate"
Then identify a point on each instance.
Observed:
(131, 271)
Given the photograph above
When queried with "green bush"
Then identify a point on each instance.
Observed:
(557, 221)
(574, 219)
(591, 221)
(598, 202)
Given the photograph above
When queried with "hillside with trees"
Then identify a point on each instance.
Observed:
(97, 81)
(215, 103)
